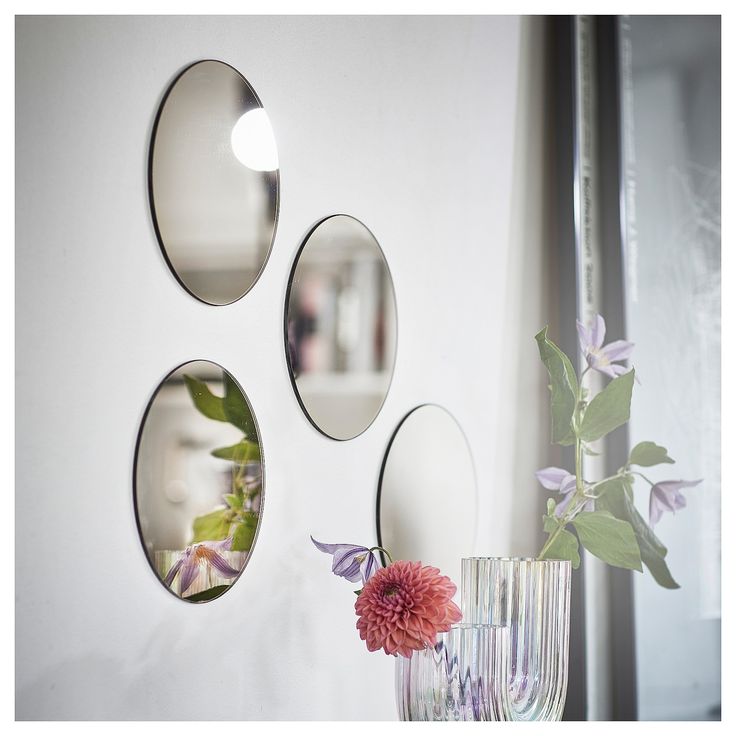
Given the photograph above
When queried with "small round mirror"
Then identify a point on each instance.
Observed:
(214, 182)
(341, 327)
(427, 501)
(198, 481)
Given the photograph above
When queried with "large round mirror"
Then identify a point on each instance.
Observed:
(341, 327)
(214, 182)
(427, 499)
(198, 481)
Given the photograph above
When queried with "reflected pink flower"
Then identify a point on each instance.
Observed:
(403, 607)
(190, 563)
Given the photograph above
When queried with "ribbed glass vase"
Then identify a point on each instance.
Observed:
(532, 597)
(461, 678)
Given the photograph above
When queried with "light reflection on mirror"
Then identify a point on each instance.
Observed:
(341, 327)
(198, 481)
(427, 498)
(214, 182)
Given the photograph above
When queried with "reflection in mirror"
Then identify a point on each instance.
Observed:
(214, 182)
(341, 327)
(198, 481)
(427, 500)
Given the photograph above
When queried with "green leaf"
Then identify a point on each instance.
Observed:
(551, 504)
(212, 527)
(609, 409)
(241, 453)
(590, 452)
(244, 533)
(564, 547)
(647, 454)
(207, 595)
(617, 500)
(657, 567)
(563, 385)
(608, 538)
(204, 400)
(236, 408)
(234, 500)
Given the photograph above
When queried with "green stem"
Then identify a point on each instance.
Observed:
(572, 509)
(636, 472)
(385, 551)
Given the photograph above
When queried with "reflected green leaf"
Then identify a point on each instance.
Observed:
(236, 408)
(207, 595)
(204, 400)
(244, 533)
(241, 453)
(212, 527)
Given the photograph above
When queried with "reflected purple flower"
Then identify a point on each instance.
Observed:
(666, 496)
(350, 561)
(190, 563)
(601, 357)
(560, 481)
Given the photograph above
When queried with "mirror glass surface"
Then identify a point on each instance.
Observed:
(198, 481)
(214, 182)
(427, 498)
(341, 327)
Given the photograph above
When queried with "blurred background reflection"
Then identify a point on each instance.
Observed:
(214, 182)
(341, 327)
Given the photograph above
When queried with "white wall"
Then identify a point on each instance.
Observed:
(406, 123)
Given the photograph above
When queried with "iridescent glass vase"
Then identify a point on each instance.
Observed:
(463, 677)
(532, 598)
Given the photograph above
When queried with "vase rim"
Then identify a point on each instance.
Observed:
(515, 559)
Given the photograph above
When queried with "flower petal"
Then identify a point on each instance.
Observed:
(618, 350)
(220, 563)
(568, 484)
(346, 563)
(562, 505)
(329, 548)
(552, 478)
(368, 567)
(189, 573)
(584, 336)
(598, 331)
(666, 496)
(171, 574)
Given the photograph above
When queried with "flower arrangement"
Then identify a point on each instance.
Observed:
(602, 512)
(401, 607)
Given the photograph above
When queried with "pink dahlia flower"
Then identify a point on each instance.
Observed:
(403, 607)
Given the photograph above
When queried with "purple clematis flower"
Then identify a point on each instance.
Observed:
(350, 561)
(666, 496)
(190, 563)
(559, 480)
(601, 357)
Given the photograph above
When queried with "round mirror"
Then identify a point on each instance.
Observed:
(214, 182)
(427, 500)
(340, 327)
(198, 481)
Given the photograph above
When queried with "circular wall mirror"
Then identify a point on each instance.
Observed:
(214, 182)
(198, 481)
(340, 327)
(427, 498)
